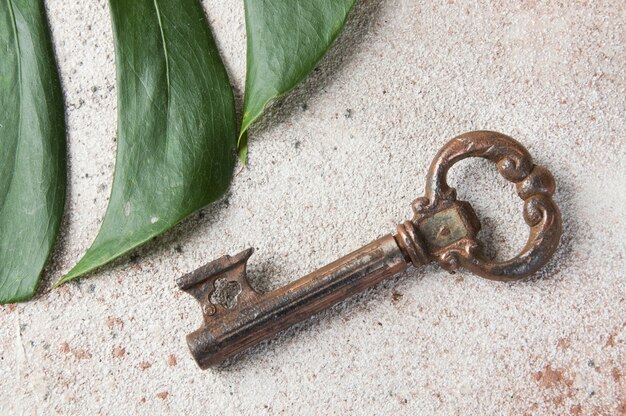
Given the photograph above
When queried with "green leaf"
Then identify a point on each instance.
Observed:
(176, 125)
(286, 39)
(32, 148)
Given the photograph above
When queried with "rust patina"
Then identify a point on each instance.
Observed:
(443, 229)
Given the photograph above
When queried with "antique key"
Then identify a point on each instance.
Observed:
(442, 229)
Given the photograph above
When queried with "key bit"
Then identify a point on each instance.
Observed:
(442, 229)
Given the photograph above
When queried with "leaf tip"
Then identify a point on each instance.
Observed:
(63, 280)
(7, 300)
(77, 271)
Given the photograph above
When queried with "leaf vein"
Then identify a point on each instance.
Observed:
(20, 83)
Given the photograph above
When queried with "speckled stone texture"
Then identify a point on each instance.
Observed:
(336, 165)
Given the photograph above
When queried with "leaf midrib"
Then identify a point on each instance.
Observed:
(165, 52)
(157, 9)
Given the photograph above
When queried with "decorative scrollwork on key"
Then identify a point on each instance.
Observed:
(535, 185)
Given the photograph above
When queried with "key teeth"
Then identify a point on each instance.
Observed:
(201, 283)
(213, 269)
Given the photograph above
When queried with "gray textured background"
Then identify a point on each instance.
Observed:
(332, 167)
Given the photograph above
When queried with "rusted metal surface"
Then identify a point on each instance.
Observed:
(535, 185)
(442, 229)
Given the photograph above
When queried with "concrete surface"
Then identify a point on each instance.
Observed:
(332, 167)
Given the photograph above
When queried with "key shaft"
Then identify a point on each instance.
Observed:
(259, 316)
